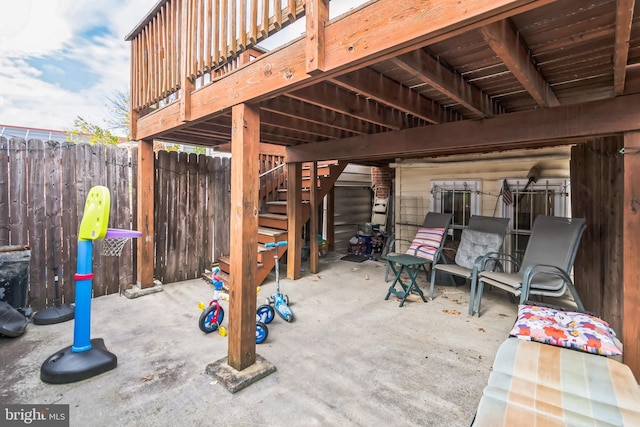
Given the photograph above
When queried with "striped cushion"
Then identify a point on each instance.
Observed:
(426, 242)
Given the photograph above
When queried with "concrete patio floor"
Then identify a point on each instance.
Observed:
(349, 358)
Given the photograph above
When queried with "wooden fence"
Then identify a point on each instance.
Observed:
(192, 204)
(43, 188)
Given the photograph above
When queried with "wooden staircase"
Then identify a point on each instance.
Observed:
(273, 222)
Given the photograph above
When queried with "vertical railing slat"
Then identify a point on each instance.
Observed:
(277, 11)
(176, 40)
(234, 35)
(243, 26)
(163, 51)
(147, 64)
(265, 18)
(216, 33)
(209, 37)
(224, 36)
(253, 32)
(291, 11)
(155, 55)
(193, 32)
(201, 26)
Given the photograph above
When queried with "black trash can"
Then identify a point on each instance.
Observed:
(14, 275)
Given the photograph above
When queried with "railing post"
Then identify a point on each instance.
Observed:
(186, 84)
(317, 14)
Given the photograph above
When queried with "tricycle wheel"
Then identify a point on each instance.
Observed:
(261, 332)
(210, 319)
(265, 313)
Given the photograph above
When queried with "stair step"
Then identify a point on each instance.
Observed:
(277, 207)
(225, 266)
(271, 235)
(273, 221)
(221, 275)
(282, 194)
(280, 206)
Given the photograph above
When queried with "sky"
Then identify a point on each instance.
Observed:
(60, 59)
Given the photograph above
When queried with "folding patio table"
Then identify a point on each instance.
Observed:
(411, 264)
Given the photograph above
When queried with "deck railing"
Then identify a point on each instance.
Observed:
(273, 176)
(181, 42)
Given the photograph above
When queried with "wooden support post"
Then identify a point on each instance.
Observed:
(145, 208)
(313, 218)
(631, 249)
(294, 216)
(316, 14)
(331, 224)
(245, 134)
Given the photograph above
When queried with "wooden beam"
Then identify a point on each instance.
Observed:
(145, 209)
(427, 69)
(631, 261)
(386, 91)
(515, 130)
(314, 114)
(379, 30)
(514, 52)
(624, 19)
(300, 125)
(317, 14)
(244, 227)
(294, 216)
(313, 218)
(341, 101)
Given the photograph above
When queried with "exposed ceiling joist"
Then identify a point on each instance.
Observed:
(514, 53)
(312, 113)
(624, 18)
(301, 125)
(426, 68)
(339, 100)
(384, 90)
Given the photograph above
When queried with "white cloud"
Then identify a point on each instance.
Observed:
(32, 27)
(61, 29)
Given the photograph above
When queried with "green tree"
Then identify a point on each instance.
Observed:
(83, 131)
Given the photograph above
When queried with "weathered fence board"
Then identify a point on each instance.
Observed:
(43, 188)
(4, 192)
(36, 219)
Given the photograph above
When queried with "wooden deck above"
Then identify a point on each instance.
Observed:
(388, 66)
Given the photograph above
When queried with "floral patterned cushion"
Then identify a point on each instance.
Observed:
(578, 331)
(426, 242)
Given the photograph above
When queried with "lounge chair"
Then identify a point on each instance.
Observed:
(483, 235)
(547, 262)
(429, 238)
(559, 368)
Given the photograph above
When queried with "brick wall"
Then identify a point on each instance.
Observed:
(381, 181)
